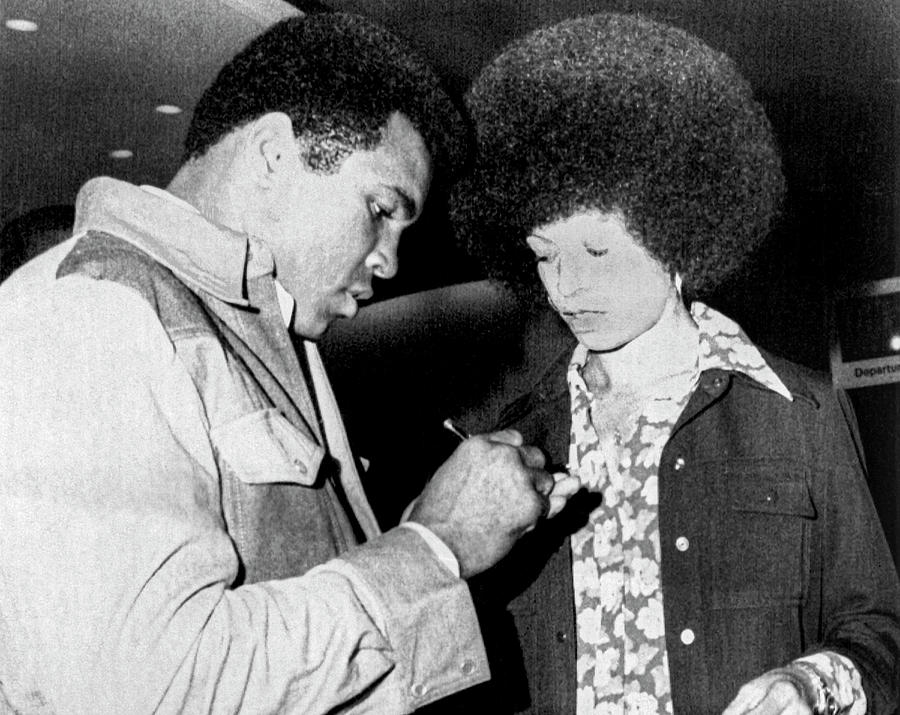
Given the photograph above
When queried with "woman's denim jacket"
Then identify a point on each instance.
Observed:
(787, 555)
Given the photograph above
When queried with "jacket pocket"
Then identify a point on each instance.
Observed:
(760, 541)
(262, 447)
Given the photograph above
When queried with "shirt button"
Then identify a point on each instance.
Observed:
(300, 466)
(679, 464)
(687, 636)
(467, 667)
(682, 543)
(419, 689)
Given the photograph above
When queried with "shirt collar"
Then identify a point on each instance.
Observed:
(200, 252)
(722, 345)
(286, 303)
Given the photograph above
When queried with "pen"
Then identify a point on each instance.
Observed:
(461, 433)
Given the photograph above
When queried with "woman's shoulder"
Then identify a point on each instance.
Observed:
(801, 380)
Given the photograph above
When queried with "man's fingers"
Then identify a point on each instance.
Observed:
(506, 436)
(565, 484)
(532, 457)
(565, 487)
(543, 482)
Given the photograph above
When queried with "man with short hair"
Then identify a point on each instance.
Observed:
(180, 513)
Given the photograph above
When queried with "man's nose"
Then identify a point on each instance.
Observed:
(383, 260)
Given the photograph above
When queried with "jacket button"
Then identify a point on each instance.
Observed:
(419, 689)
(682, 543)
(679, 464)
(688, 636)
(467, 667)
(562, 636)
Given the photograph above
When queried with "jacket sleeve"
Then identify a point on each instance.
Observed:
(115, 566)
(859, 591)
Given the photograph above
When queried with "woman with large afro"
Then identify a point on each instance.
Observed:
(730, 559)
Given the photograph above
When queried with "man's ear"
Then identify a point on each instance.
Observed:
(272, 147)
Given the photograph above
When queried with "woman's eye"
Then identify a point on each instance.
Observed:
(597, 252)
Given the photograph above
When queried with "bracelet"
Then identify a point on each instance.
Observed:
(825, 704)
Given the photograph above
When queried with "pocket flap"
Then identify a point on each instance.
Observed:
(774, 497)
(262, 447)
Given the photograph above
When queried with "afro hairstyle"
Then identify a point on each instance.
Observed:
(338, 77)
(618, 113)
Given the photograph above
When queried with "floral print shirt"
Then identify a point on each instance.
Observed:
(622, 665)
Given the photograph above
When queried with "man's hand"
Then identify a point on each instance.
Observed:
(489, 492)
(781, 691)
(564, 489)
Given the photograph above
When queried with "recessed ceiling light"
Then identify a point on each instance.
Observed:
(21, 25)
(168, 109)
(121, 153)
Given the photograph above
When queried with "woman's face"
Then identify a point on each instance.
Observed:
(606, 286)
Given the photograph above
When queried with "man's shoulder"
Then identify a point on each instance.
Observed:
(104, 257)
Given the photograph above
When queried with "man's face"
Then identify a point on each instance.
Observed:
(604, 284)
(330, 233)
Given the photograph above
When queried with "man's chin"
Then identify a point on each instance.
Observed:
(310, 330)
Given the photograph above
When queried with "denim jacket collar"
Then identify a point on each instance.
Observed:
(205, 255)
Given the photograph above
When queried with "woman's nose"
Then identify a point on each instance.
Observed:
(570, 276)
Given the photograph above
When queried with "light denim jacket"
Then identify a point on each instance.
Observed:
(161, 495)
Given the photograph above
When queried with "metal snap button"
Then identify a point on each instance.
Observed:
(682, 543)
(688, 636)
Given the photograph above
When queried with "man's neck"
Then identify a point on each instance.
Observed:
(207, 183)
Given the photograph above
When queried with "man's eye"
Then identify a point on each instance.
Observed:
(597, 252)
(379, 211)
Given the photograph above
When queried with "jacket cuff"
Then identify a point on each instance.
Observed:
(428, 616)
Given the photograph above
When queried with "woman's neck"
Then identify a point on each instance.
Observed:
(667, 349)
